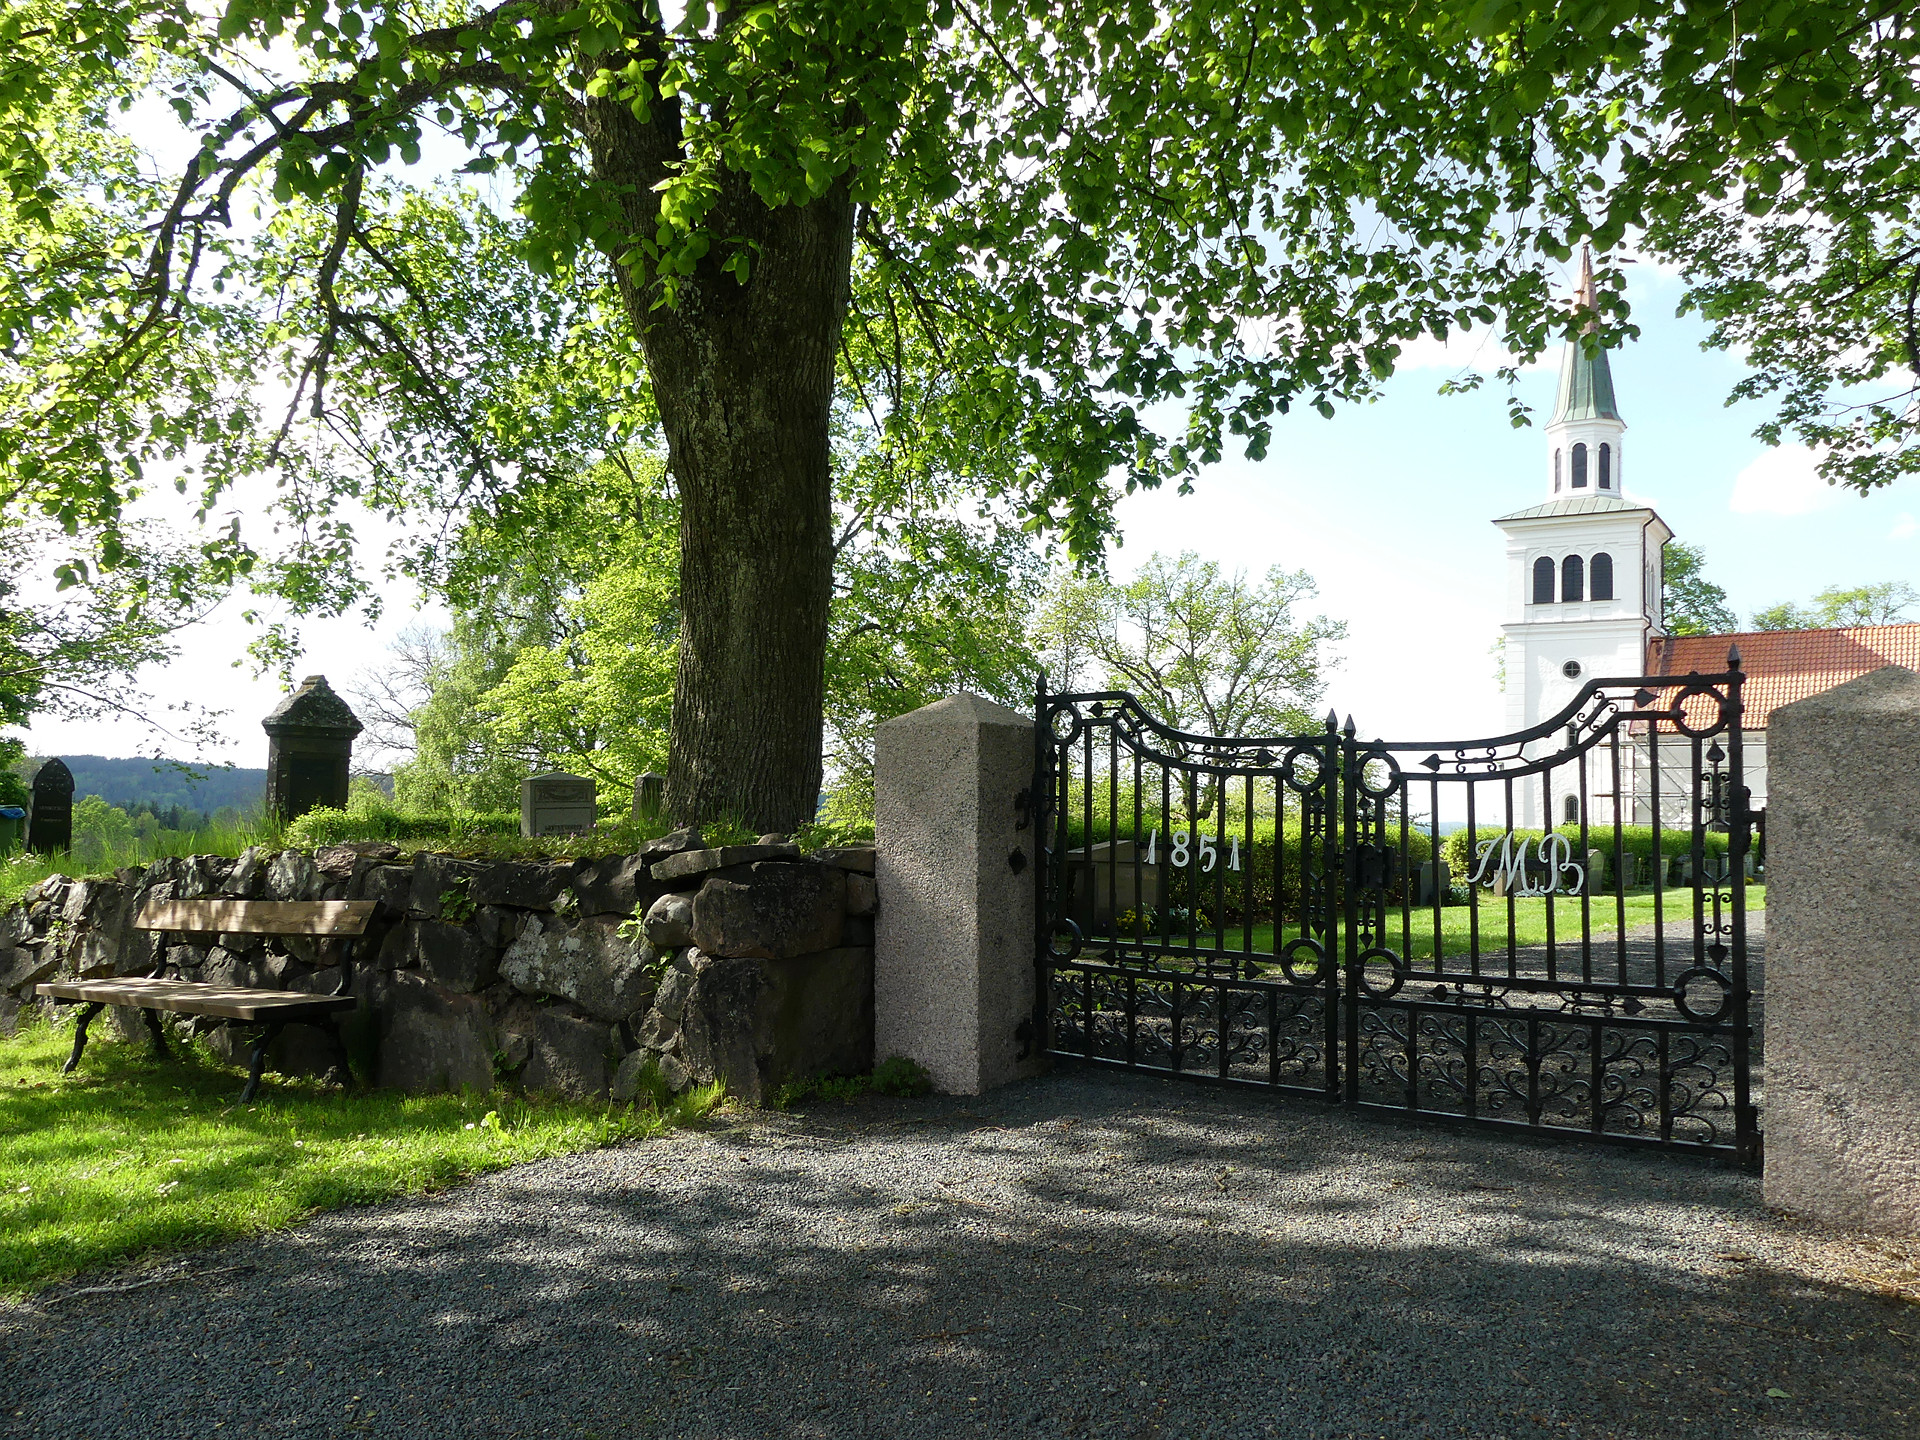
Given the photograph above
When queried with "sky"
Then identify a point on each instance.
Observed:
(1387, 505)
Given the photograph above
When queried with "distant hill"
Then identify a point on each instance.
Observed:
(136, 781)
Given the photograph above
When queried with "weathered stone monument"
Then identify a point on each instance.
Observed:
(50, 812)
(309, 750)
(649, 797)
(1843, 955)
(556, 804)
(954, 985)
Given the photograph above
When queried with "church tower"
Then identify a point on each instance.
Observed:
(1583, 569)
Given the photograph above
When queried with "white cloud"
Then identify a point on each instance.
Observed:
(1782, 481)
(1905, 528)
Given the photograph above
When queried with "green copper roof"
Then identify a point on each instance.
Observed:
(1586, 386)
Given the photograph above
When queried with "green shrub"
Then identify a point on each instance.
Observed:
(897, 1075)
(1221, 897)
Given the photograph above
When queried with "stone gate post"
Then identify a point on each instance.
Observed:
(1842, 982)
(953, 958)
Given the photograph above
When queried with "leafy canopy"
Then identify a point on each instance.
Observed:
(1074, 216)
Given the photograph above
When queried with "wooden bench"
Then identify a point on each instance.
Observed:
(269, 1010)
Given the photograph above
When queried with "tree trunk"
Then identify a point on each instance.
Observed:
(743, 377)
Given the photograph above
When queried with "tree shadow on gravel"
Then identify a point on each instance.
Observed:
(1086, 1255)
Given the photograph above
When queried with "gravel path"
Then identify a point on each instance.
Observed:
(1089, 1254)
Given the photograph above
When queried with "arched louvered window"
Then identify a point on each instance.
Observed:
(1543, 581)
(1571, 810)
(1600, 576)
(1556, 471)
(1580, 467)
(1573, 578)
(1606, 471)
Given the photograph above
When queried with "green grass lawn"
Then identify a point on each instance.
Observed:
(1529, 922)
(131, 1155)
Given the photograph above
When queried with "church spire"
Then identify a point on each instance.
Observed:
(1583, 437)
(1586, 381)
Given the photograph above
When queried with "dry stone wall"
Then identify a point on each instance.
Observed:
(748, 964)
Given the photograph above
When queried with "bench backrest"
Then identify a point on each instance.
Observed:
(257, 917)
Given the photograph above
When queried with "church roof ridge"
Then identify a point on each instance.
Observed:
(1575, 505)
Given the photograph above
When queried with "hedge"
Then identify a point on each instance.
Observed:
(1458, 848)
(1188, 887)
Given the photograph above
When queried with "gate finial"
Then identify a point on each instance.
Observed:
(1351, 730)
(1733, 657)
(1333, 722)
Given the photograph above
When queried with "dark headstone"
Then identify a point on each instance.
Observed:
(649, 797)
(309, 750)
(50, 814)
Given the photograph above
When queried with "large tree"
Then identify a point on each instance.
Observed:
(1011, 228)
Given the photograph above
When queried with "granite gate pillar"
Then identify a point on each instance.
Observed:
(1842, 983)
(953, 957)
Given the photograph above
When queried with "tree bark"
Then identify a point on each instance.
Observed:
(743, 376)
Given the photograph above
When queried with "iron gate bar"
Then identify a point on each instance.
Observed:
(1627, 1057)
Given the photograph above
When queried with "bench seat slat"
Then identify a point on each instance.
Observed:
(186, 997)
(257, 917)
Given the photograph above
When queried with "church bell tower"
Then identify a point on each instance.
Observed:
(1583, 569)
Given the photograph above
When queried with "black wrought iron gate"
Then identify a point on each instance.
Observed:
(1546, 930)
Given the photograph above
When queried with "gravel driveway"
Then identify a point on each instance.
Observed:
(1089, 1254)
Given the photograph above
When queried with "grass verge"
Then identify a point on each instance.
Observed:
(132, 1156)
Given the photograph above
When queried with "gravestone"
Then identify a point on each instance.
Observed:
(309, 750)
(50, 813)
(1101, 887)
(556, 804)
(649, 796)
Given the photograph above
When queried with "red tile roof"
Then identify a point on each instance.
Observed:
(1783, 666)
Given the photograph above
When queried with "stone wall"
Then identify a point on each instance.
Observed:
(749, 964)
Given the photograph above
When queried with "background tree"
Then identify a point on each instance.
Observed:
(1690, 604)
(71, 649)
(1839, 606)
(1206, 652)
(562, 652)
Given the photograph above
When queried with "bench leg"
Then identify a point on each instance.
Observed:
(87, 1012)
(157, 1035)
(342, 1071)
(257, 1061)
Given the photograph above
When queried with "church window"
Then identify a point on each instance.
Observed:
(1580, 467)
(1543, 581)
(1573, 579)
(1606, 471)
(1600, 575)
(1572, 670)
(1572, 810)
(1556, 471)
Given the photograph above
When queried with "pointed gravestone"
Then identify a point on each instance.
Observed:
(649, 797)
(309, 750)
(50, 813)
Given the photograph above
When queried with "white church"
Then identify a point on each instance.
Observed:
(1583, 601)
